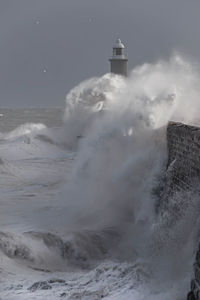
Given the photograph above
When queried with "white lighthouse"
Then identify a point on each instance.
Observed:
(118, 61)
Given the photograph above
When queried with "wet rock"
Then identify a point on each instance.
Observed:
(40, 269)
(197, 273)
(191, 296)
(56, 280)
(198, 258)
(63, 295)
(13, 248)
(194, 293)
(15, 287)
(40, 285)
(86, 295)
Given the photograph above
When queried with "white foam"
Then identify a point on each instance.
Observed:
(116, 126)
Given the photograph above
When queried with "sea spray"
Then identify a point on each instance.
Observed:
(89, 205)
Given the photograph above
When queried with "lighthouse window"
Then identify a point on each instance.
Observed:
(118, 51)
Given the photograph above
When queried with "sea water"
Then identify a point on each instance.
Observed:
(78, 217)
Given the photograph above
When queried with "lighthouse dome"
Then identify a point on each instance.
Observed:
(119, 44)
(118, 60)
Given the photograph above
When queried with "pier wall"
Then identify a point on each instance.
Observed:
(183, 156)
(183, 173)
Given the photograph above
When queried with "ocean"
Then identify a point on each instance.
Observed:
(78, 217)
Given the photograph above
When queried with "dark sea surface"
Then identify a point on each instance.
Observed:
(44, 254)
(12, 118)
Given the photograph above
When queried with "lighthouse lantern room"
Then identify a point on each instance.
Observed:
(118, 61)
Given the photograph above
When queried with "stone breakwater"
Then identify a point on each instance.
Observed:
(183, 155)
(194, 294)
(183, 174)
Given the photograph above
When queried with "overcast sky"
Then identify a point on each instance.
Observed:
(49, 46)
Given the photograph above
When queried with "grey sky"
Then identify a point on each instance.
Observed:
(48, 46)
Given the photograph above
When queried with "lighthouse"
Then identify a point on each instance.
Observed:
(118, 61)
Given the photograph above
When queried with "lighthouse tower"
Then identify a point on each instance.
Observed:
(118, 61)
